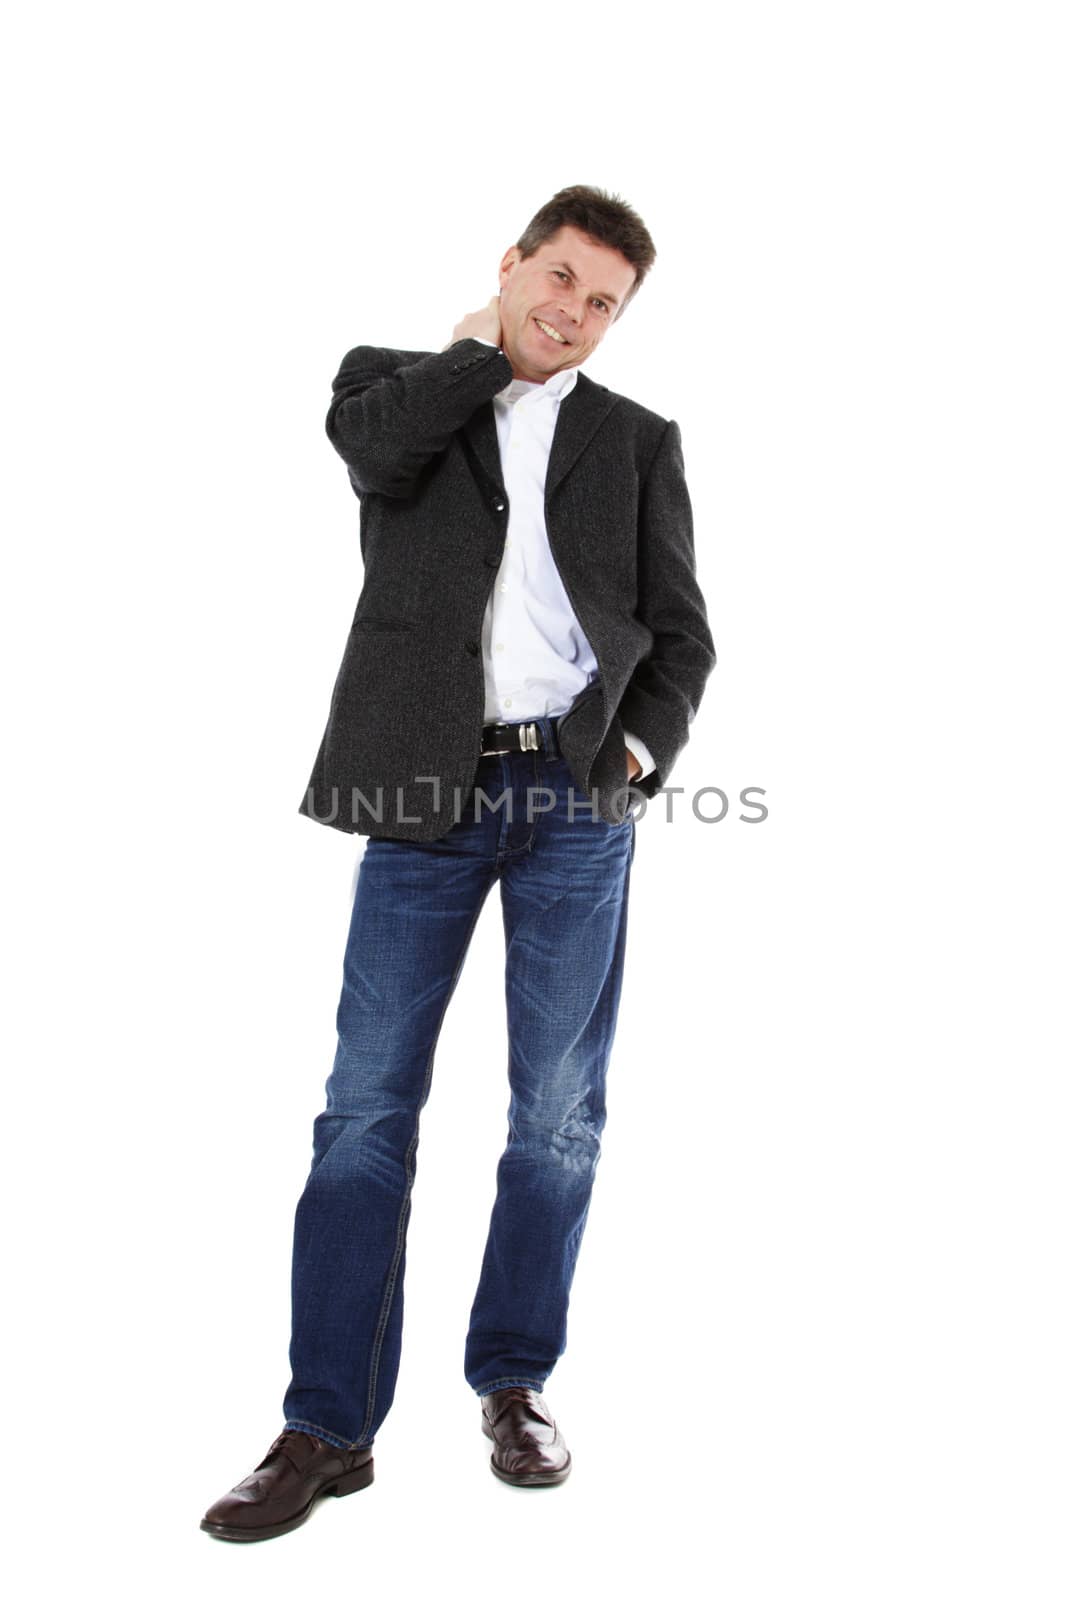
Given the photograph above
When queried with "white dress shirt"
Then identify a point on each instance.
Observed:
(536, 656)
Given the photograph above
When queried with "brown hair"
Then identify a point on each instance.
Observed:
(604, 217)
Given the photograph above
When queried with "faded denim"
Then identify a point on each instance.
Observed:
(564, 888)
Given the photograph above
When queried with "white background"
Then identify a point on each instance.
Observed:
(817, 1332)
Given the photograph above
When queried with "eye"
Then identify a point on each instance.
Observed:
(559, 272)
(602, 304)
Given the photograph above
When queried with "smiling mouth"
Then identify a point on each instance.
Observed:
(546, 327)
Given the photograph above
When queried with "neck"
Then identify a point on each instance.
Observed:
(524, 377)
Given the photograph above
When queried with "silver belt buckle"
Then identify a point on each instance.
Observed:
(529, 739)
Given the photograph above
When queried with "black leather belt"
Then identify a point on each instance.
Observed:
(500, 737)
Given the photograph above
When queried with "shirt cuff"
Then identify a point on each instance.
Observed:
(641, 751)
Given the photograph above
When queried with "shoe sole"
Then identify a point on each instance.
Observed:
(359, 1478)
(527, 1480)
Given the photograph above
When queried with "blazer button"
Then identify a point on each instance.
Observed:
(498, 505)
(493, 558)
(473, 647)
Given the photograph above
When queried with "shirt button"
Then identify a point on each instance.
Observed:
(507, 702)
(503, 588)
(498, 647)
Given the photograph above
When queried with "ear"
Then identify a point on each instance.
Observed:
(511, 255)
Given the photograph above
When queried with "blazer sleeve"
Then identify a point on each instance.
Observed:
(666, 687)
(392, 411)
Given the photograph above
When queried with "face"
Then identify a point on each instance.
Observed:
(575, 285)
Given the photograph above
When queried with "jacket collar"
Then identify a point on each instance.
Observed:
(580, 414)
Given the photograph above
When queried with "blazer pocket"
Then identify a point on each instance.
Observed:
(382, 625)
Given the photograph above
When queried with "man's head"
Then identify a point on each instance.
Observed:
(576, 267)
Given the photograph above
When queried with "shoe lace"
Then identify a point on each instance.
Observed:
(278, 1448)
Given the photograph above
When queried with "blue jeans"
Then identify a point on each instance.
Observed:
(564, 886)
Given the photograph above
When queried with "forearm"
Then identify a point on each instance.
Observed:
(386, 422)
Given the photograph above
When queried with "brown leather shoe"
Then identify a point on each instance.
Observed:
(528, 1447)
(279, 1494)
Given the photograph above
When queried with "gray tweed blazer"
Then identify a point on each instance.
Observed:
(417, 432)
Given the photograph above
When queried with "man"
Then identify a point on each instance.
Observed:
(528, 651)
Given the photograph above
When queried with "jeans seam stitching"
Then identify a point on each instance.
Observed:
(303, 1426)
(512, 1383)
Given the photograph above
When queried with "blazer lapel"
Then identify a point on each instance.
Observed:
(480, 433)
(580, 415)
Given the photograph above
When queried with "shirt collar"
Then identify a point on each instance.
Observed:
(559, 385)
